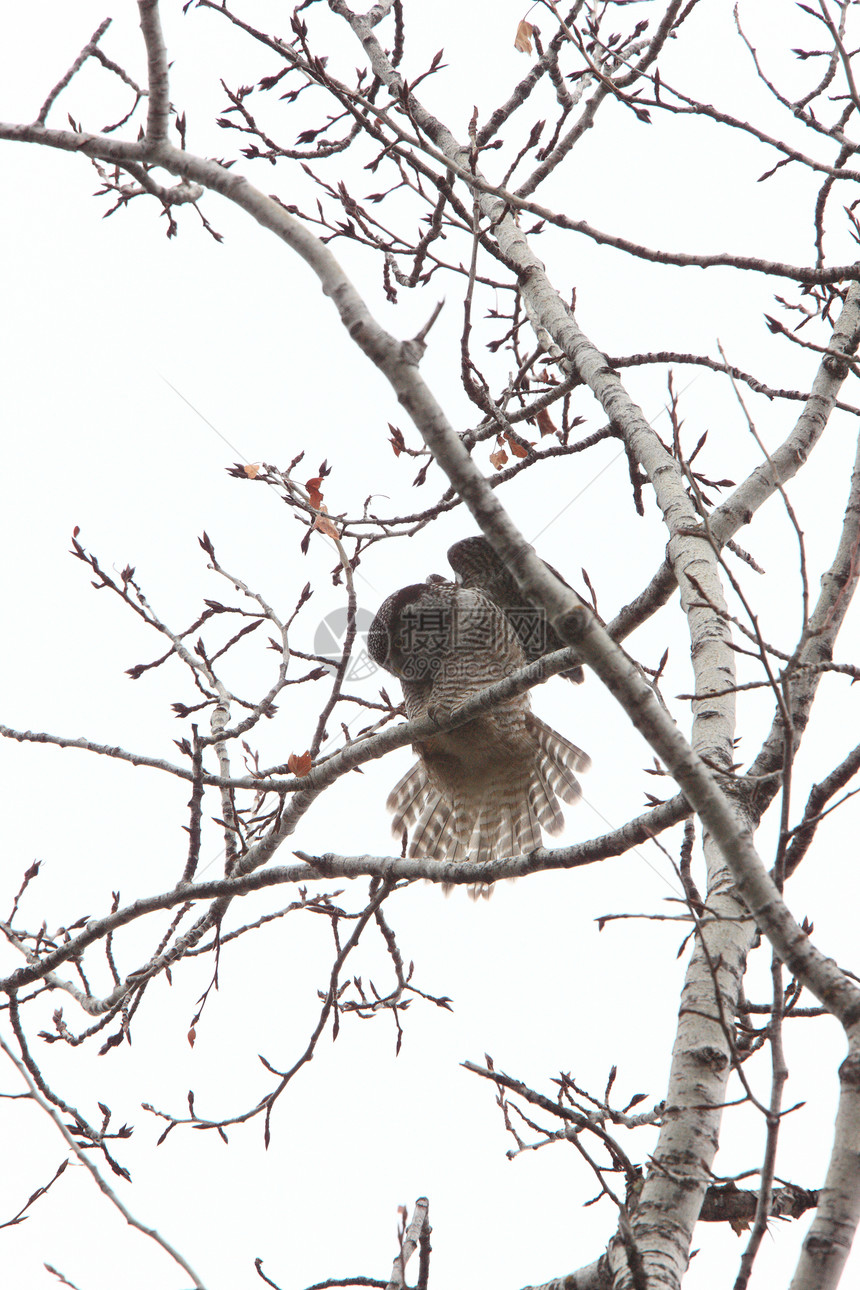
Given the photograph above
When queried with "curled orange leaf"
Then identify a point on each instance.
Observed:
(299, 764)
(314, 495)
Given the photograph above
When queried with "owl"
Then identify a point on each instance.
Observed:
(485, 789)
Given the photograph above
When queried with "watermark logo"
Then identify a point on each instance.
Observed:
(330, 635)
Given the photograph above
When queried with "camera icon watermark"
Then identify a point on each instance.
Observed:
(330, 635)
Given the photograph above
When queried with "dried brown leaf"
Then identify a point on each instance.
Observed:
(325, 525)
(523, 41)
(544, 422)
(516, 448)
(299, 764)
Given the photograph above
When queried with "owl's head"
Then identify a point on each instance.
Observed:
(437, 627)
(412, 630)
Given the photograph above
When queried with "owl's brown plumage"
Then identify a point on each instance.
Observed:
(485, 789)
(476, 565)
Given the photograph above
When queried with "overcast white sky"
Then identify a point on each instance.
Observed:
(99, 316)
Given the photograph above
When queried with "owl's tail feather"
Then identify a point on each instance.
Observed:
(505, 820)
(508, 820)
(503, 824)
(439, 828)
(553, 775)
(406, 799)
(435, 824)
